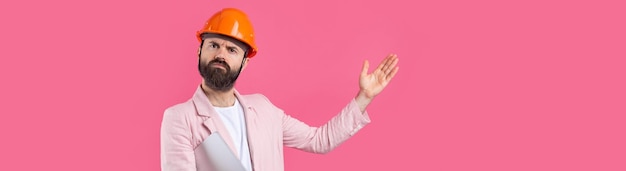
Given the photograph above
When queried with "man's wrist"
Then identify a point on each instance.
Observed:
(363, 101)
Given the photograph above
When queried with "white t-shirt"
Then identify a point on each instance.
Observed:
(233, 119)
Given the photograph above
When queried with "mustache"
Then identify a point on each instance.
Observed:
(217, 61)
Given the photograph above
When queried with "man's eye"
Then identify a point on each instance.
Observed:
(214, 46)
(233, 50)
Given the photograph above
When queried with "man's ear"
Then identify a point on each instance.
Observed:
(200, 48)
(245, 63)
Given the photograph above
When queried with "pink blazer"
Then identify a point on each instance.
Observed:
(187, 124)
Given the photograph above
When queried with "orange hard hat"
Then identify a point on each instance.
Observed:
(233, 23)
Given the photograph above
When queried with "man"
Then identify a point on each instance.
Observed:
(253, 128)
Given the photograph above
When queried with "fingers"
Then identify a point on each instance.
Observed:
(381, 66)
(366, 66)
(392, 74)
(387, 68)
(390, 68)
(388, 63)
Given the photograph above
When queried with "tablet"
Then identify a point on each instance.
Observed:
(215, 155)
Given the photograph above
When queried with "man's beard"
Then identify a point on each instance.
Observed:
(216, 78)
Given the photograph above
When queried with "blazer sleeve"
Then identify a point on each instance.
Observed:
(323, 139)
(176, 148)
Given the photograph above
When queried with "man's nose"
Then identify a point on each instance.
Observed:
(221, 53)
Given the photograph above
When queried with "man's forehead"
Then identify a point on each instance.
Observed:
(219, 40)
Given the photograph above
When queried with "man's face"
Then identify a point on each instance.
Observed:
(220, 61)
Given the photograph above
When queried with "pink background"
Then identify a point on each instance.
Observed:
(484, 85)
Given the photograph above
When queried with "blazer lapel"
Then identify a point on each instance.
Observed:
(250, 115)
(212, 120)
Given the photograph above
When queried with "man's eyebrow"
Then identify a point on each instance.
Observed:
(233, 47)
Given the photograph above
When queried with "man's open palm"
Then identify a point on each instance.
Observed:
(372, 84)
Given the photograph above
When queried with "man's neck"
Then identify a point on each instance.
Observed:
(219, 98)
